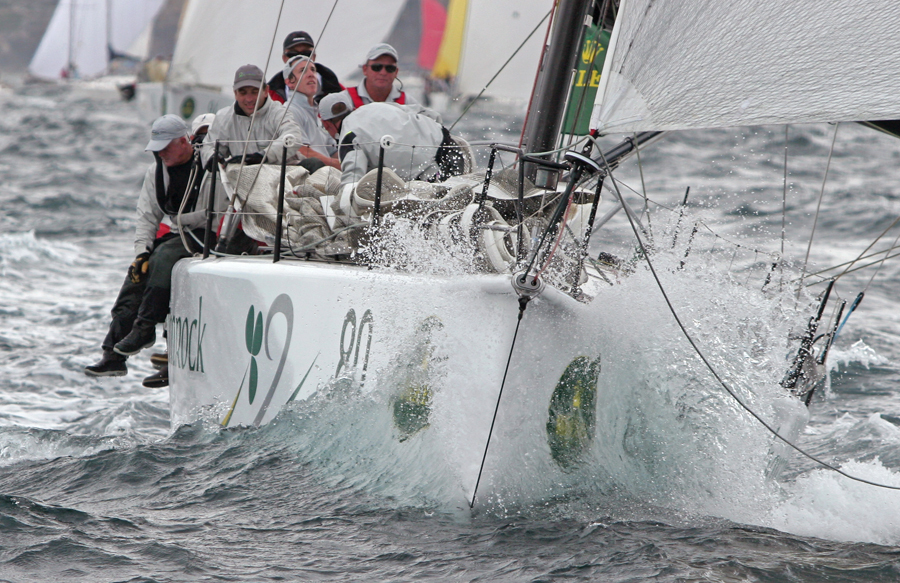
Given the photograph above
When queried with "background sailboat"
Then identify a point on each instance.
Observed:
(84, 36)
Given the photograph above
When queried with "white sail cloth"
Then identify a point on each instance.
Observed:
(679, 64)
(244, 32)
(494, 30)
(80, 31)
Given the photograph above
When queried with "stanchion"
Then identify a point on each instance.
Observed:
(210, 207)
(280, 216)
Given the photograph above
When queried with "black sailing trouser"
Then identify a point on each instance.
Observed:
(149, 299)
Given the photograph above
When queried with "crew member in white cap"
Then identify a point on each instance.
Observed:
(270, 124)
(379, 72)
(435, 157)
(167, 192)
(301, 43)
(200, 127)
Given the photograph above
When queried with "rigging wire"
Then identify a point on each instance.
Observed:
(713, 371)
(784, 202)
(883, 259)
(262, 84)
(818, 207)
(523, 302)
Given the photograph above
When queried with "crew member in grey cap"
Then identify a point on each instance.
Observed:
(379, 72)
(168, 191)
(254, 128)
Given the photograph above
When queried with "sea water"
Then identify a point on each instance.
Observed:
(95, 485)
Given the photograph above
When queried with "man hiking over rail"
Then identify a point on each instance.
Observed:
(173, 184)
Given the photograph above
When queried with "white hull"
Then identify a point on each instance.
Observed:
(156, 99)
(375, 331)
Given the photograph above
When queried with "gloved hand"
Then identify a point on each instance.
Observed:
(249, 160)
(138, 269)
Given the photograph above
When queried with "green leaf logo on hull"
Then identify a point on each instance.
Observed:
(570, 426)
(254, 337)
(412, 376)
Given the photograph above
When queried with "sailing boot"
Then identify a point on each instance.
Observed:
(158, 380)
(158, 360)
(142, 335)
(110, 365)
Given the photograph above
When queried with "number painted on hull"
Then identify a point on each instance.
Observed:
(350, 345)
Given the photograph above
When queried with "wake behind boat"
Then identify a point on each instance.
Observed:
(477, 299)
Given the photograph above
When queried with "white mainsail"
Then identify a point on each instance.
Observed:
(81, 32)
(680, 64)
(493, 32)
(218, 36)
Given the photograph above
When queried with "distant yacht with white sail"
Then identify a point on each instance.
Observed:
(86, 37)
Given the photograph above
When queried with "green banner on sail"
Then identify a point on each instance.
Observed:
(587, 79)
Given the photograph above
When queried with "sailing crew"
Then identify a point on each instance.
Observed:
(379, 72)
(436, 156)
(301, 43)
(301, 80)
(253, 129)
(168, 191)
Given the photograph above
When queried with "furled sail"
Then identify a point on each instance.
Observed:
(218, 36)
(679, 64)
(81, 33)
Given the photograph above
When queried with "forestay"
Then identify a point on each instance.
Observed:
(218, 36)
(680, 64)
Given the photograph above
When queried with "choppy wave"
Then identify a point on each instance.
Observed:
(96, 485)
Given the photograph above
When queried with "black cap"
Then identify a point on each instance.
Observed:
(298, 38)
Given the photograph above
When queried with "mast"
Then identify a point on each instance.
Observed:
(549, 103)
(70, 65)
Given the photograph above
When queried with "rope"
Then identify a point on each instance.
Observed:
(712, 370)
(818, 207)
(523, 302)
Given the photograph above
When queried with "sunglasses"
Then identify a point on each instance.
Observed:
(292, 54)
(377, 67)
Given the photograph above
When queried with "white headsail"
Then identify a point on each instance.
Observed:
(218, 36)
(81, 32)
(679, 64)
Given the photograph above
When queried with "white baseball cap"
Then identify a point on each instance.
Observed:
(382, 49)
(335, 105)
(201, 121)
(165, 129)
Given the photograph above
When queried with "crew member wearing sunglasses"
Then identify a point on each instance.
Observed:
(379, 73)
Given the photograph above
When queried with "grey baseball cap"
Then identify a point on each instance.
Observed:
(335, 105)
(248, 76)
(165, 129)
(381, 49)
